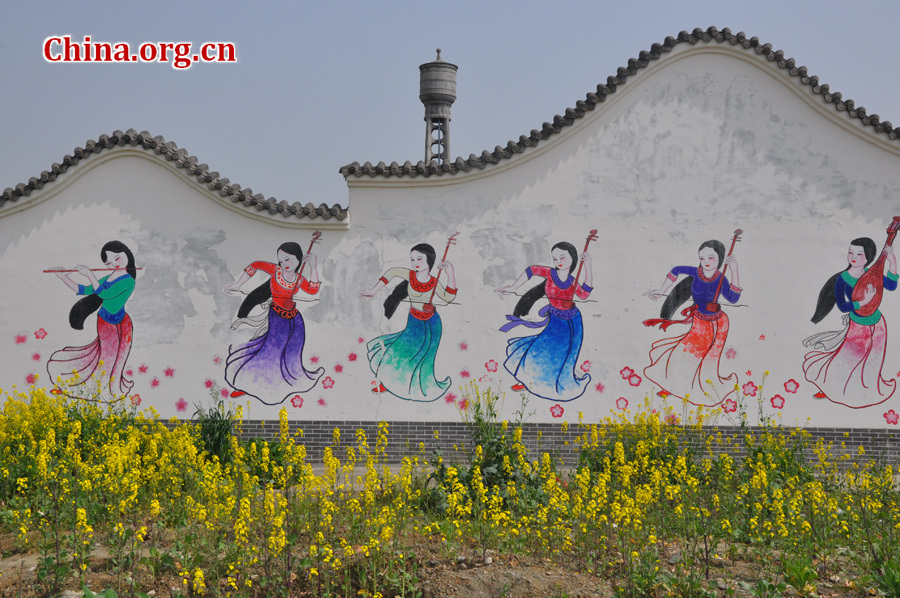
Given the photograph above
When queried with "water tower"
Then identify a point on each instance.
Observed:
(437, 90)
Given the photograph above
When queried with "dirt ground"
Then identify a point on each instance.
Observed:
(465, 575)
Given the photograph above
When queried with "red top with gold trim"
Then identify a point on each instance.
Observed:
(282, 290)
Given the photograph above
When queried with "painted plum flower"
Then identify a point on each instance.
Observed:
(586, 366)
(672, 419)
(750, 389)
(626, 373)
(463, 346)
(143, 368)
(635, 380)
(297, 401)
(155, 382)
(464, 404)
(217, 359)
(321, 402)
(40, 334)
(224, 393)
(129, 372)
(557, 410)
(339, 368)
(491, 366)
(892, 417)
(465, 375)
(730, 353)
(450, 399)
(20, 339)
(360, 340)
(599, 387)
(169, 372)
(31, 378)
(791, 386)
(621, 403)
(136, 400)
(777, 402)
(181, 405)
(36, 357)
(351, 357)
(327, 382)
(208, 383)
(730, 406)
(486, 379)
(314, 359)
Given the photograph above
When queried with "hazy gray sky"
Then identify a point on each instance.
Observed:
(319, 85)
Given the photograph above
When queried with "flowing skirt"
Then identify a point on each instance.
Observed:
(545, 362)
(851, 374)
(687, 366)
(404, 361)
(270, 366)
(72, 368)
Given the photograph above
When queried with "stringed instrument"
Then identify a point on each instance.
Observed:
(875, 275)
(735, 239)
(316, 236)
(429, 307)
(592, 236)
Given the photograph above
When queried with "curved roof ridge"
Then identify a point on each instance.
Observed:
(211, 180)
(548, 129)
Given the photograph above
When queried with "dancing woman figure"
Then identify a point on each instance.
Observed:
(846, 365)
(270, 366)
(72, 367)
(544, 364)
(687, 366)
(403, 362)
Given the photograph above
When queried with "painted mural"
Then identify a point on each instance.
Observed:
(687, 366)
(543, 364)
(97, 370)
(403, 362)
(270, 367)
(846, 365)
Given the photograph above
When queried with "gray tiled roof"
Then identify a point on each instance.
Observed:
(199, 172)
(657, 51)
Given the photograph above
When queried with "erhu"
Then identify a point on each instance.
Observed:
(316, 236)
(875, 275)
(592, 236)
(429, 307)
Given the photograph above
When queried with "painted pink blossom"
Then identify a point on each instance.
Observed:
(750, 389)
(143, 368)
(672, 419)
(208, 383)
(730, 406)
(129, 372)
(626, 373)
(599, 387)
(20, 339)
(486, 379)
(791, 386)
(777, 402)
(36, 357)
(621, 403)
(586, 366)
(321, 402)
(136, 400)
(891, 417)
(155, 382)
(351, 357)
(557, 410)
(635, 380)
(224, 393)
(217, 359)
(40, 334)
(360, 340)
(181, 405)
(463, 346)
(339, 368)
(297, 401)
(730, 353)
(169, 372)
(327, 382)
(749, 372)
(314, 359)
(31, 378)
(450, 399)
(465, 375)
(464, 404)
(491, 366)
(762, 337)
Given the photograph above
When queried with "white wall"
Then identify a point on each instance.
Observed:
(705, 141)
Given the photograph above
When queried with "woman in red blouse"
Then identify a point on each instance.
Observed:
(270, 366)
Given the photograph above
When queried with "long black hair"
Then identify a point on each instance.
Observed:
(682, 291)
(263, 292)
(826, 301)
(401, 291)
(531, 296)
(91, 303)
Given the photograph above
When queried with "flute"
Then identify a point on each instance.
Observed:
(91, 269)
